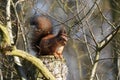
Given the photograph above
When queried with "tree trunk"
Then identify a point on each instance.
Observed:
(57, 67)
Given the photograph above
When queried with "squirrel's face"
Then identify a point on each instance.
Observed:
(62, 40)
(62, 37)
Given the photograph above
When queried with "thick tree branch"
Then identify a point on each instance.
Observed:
(4, 33)
(35, 61)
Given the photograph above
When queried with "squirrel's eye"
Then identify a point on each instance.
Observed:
(59, 39)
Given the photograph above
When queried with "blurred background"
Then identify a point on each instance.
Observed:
(87, 22)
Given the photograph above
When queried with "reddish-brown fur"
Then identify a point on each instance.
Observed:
(43, 27)
(44, 42)
(53, 45)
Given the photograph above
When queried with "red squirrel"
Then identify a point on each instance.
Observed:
(43, 27)
(44, 42)
(54, 44)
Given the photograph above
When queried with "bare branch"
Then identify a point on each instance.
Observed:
(16, 59)
(88, 49)
(93, 72)
(8, 18)
(104, 16)
(108, 38)
(91, 32)
(101, 45)
(20, 26)
(87, 15)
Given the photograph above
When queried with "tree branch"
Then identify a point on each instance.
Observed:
(93, 72)
(108, 38)
(35, 61)
(9, 27)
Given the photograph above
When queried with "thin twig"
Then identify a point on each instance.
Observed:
(90, 45)
(104, 16)
(20, 26)
(89, 53)
(87, 15)
(60, 4)
(101, 45)
(91, 32)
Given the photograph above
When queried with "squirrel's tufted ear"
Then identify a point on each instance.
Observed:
(62, 31)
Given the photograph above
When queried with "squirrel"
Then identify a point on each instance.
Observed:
(43, 27)
(54, 44)
(44, 42)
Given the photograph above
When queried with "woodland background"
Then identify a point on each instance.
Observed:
(93, 49)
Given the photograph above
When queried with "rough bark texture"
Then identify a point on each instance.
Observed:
(57, 67)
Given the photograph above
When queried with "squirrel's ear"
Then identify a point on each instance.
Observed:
(62, 30)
